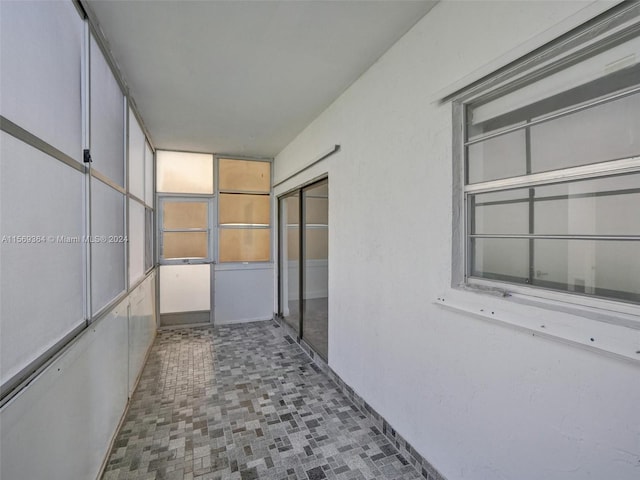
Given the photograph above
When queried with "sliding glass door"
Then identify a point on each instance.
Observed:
(304, 249)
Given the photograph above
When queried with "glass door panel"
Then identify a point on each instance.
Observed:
(290, 260)
(315, 262)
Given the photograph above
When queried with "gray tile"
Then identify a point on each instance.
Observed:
(241, 402)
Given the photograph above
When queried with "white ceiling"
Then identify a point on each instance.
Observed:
(245, 77)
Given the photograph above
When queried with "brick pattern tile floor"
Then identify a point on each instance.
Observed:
(239, 403)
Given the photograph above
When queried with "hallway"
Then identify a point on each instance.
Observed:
(241, 402)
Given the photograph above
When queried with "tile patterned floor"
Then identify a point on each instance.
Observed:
(241, 403)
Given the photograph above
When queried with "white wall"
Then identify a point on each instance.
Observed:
(242, 294)
(61, 426)
(479, 400)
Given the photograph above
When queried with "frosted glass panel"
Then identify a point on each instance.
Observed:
(185, 245)
(108, 267)
(184, 215)
(107, 119)
(185, 288)
(244, 175)
(148, 175)
(179, 172)
(136, 157)
(50, 267)
(40, 47)
(136, 241)
(245, 245)
(244, 209)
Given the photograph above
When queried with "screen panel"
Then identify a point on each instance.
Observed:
(148, 175)
(44, 260)
(108, 267)
(136, 242)
(40, 47)
(107, 118)
(137, 147)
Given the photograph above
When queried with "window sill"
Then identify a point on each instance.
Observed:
(611, 333)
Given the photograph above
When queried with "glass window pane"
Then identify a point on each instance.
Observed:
(603, 206)
(245, 245)
(245, 175)
(607, 132)
(180, 172)
(290, 265)
(501, 212)
(242, 209)
(601, 268)
(184, 215)
(499, 157)
(501, 259)
(185, 245)
(316, 268)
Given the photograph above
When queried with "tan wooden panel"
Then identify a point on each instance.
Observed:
(245, 245)
(244, 175)
(248, 209)
(185, 245)
(178, 215)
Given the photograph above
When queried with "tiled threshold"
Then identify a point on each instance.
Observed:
(404, 447)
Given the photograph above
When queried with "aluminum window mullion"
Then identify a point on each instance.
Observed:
(596, 170)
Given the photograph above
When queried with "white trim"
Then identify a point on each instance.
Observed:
(572, 329)
(589, 12)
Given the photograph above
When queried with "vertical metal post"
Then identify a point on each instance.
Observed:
(301, 236)
(532, 192)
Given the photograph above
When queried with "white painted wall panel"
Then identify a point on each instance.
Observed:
(142, 327)
(40, 52)
(136, 241)
(185, 288)
(137, 145)
(107, 118)
(40, 198)
(60, 427)
(480, 401)
(108, 268)
(243, 295)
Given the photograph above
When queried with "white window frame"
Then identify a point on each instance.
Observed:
(618, 23)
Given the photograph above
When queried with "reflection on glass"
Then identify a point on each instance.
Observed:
(607, 132)
(245, 245)
(177, 215)
(316, 267)
(289, 260)
(184, 245)
(244, 175)
(606, 268)
(602, 206)
(243, 209)
(498, 157)
(501, 259)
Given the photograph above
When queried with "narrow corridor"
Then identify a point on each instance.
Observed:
(241, 402)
